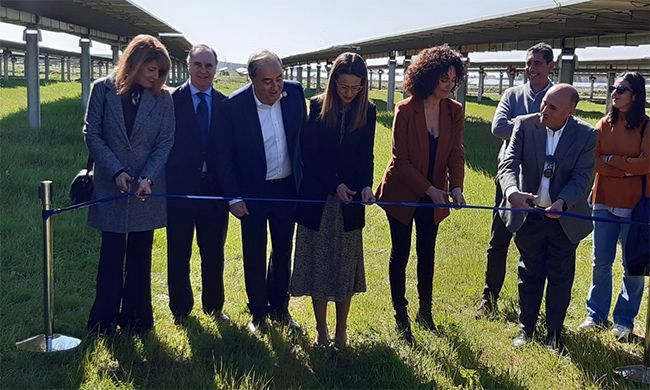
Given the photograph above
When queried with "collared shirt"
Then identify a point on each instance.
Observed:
(533, 101)
(516, 101)
(552, 139)
(195, 101)
(278, 164)
(543, 196)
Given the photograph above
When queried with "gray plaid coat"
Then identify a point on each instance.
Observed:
(143, 154)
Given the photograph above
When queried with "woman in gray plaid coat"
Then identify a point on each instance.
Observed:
(129, 130)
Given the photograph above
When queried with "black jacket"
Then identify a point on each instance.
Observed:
(329, 162)
(185, 161)
(239, 144)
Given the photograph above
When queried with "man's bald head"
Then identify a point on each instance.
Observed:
(559, 103)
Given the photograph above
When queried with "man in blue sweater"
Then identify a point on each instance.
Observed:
(520, 100)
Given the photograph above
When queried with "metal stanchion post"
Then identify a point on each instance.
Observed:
(640, 372)
(48, 342)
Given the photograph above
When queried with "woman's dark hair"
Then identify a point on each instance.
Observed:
(331, 106)
(636, 115)
(422, 77)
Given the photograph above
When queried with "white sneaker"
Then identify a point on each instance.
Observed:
(621, 333)
(587, 324)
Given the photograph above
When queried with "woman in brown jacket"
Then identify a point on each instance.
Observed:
(427, 162)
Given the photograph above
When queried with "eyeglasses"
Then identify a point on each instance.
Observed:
(349, 88)
(549, 166)
(619, 90)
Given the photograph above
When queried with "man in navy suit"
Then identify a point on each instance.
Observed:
(257, 150)
(190, 170)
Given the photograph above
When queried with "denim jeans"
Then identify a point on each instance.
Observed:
(605, 236)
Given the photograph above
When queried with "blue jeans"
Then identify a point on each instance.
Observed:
(606, 235)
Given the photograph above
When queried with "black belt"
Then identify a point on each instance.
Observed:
(277, 181)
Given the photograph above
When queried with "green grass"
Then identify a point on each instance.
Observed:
(466, 353)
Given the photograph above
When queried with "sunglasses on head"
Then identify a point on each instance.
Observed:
(619, 90)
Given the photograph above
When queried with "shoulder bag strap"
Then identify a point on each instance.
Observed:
(644, 177)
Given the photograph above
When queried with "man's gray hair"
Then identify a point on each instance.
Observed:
(201, 47)
(260, 57)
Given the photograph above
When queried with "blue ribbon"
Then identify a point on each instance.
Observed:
(49, 213)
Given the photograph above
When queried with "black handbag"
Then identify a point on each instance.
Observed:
(81, 188)
(637, 246)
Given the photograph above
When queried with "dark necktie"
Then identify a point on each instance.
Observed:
(202, 116)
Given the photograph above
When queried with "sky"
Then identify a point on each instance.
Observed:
(236, 29)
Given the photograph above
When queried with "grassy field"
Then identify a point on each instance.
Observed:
(465, 353)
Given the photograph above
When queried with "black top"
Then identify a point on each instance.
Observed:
(433, 147)
(130, 103)
(335, 155)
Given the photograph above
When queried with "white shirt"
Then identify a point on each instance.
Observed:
(543, 196)
(278, 163)
(552, 139)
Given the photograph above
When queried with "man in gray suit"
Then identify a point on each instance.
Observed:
(520, 100)
(548, 166)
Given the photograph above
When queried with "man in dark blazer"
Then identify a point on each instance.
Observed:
(548, 165)
(190, 170)
(257, 149)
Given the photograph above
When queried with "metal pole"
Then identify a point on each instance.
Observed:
(407, 63)
(390, 98)
(5, 60)
(49, 341)
(308, 77)
(85, 69)
(45, 194)
(640, 372)
(31, 69)
(46, 63)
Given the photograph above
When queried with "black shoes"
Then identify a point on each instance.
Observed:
(403, 325)
(285, 320)
(261, 324)
(180, 320)
(258, 325)
(555, 343)
(522, 339)
(425, 320)
(220, 317)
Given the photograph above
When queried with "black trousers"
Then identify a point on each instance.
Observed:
(267, 285)
(545, 254)
(123, 294)
(497, 253)
(210, 220)
(425, 246)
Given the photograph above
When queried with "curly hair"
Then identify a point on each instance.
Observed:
(422, 77)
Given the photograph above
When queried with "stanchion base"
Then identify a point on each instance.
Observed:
(637, 373)
(42, 343)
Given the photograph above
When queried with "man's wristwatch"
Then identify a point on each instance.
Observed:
(148, 180)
